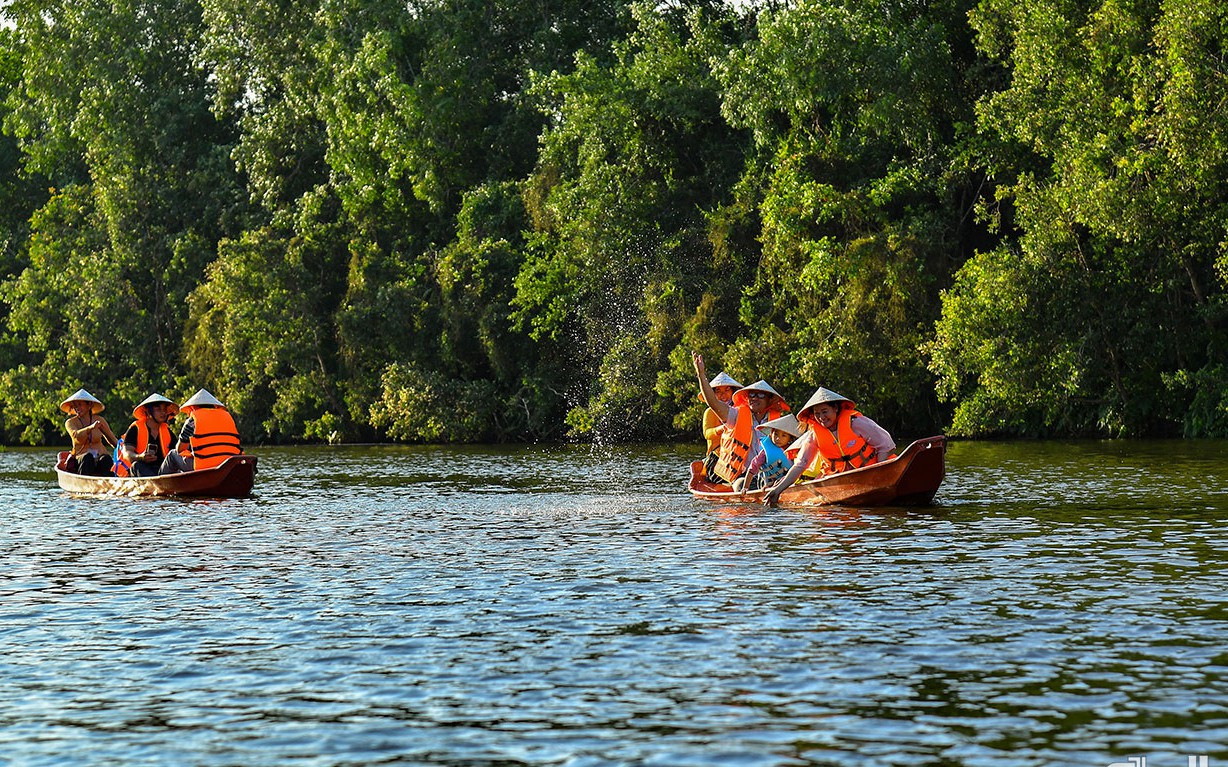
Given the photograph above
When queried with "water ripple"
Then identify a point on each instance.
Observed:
(533, 606)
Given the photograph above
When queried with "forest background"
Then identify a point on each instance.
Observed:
(511, 220)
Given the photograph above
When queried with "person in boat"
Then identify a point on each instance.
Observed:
(724, 385)
(147, 442)
(749, 407)
(836, 438)
(207, 438)
(775, 456)
(87, 430)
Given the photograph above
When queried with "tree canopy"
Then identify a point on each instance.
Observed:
(451, 220)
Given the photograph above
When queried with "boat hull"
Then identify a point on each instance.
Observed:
(910, 479)
(232, 479)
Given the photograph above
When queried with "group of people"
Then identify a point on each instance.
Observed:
(206, 439)
(755, 443)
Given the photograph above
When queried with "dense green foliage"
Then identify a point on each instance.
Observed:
(452, 220)
(1102, 311)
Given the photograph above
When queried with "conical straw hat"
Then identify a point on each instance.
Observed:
(153, 399)
(81, 395)
(823, 396)
(786, 423)
(201, 397)
(724, 379)
(740, 396)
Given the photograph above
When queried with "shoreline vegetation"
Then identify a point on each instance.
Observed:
(451, 221)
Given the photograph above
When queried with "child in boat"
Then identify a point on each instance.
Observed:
(87, 430)
(837, 438)
(724, 385)
(751, 406)
(775, 456)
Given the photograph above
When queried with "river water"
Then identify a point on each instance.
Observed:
(1063, 603)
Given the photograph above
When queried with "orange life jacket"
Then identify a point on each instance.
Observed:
(214, 438)
(844, 449)
(736, 442)
(142, 442)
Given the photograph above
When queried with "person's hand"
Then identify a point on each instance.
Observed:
(771, 496)
(698, 360)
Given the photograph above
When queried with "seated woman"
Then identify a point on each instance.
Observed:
(724, 385)
(837, 438)
(87, 430)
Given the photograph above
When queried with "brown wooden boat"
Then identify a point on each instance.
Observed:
(910, 479)
(232, 479)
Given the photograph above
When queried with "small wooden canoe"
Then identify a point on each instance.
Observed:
(910, 479)
(232, 479)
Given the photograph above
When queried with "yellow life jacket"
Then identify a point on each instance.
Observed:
(713, 429)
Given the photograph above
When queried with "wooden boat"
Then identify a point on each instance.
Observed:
(232, 479)
(910, 479)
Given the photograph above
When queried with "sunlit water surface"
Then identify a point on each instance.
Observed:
(1064, 603)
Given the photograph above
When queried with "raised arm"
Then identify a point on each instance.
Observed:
(714, 402)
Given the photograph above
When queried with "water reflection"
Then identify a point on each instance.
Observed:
(540, 606)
